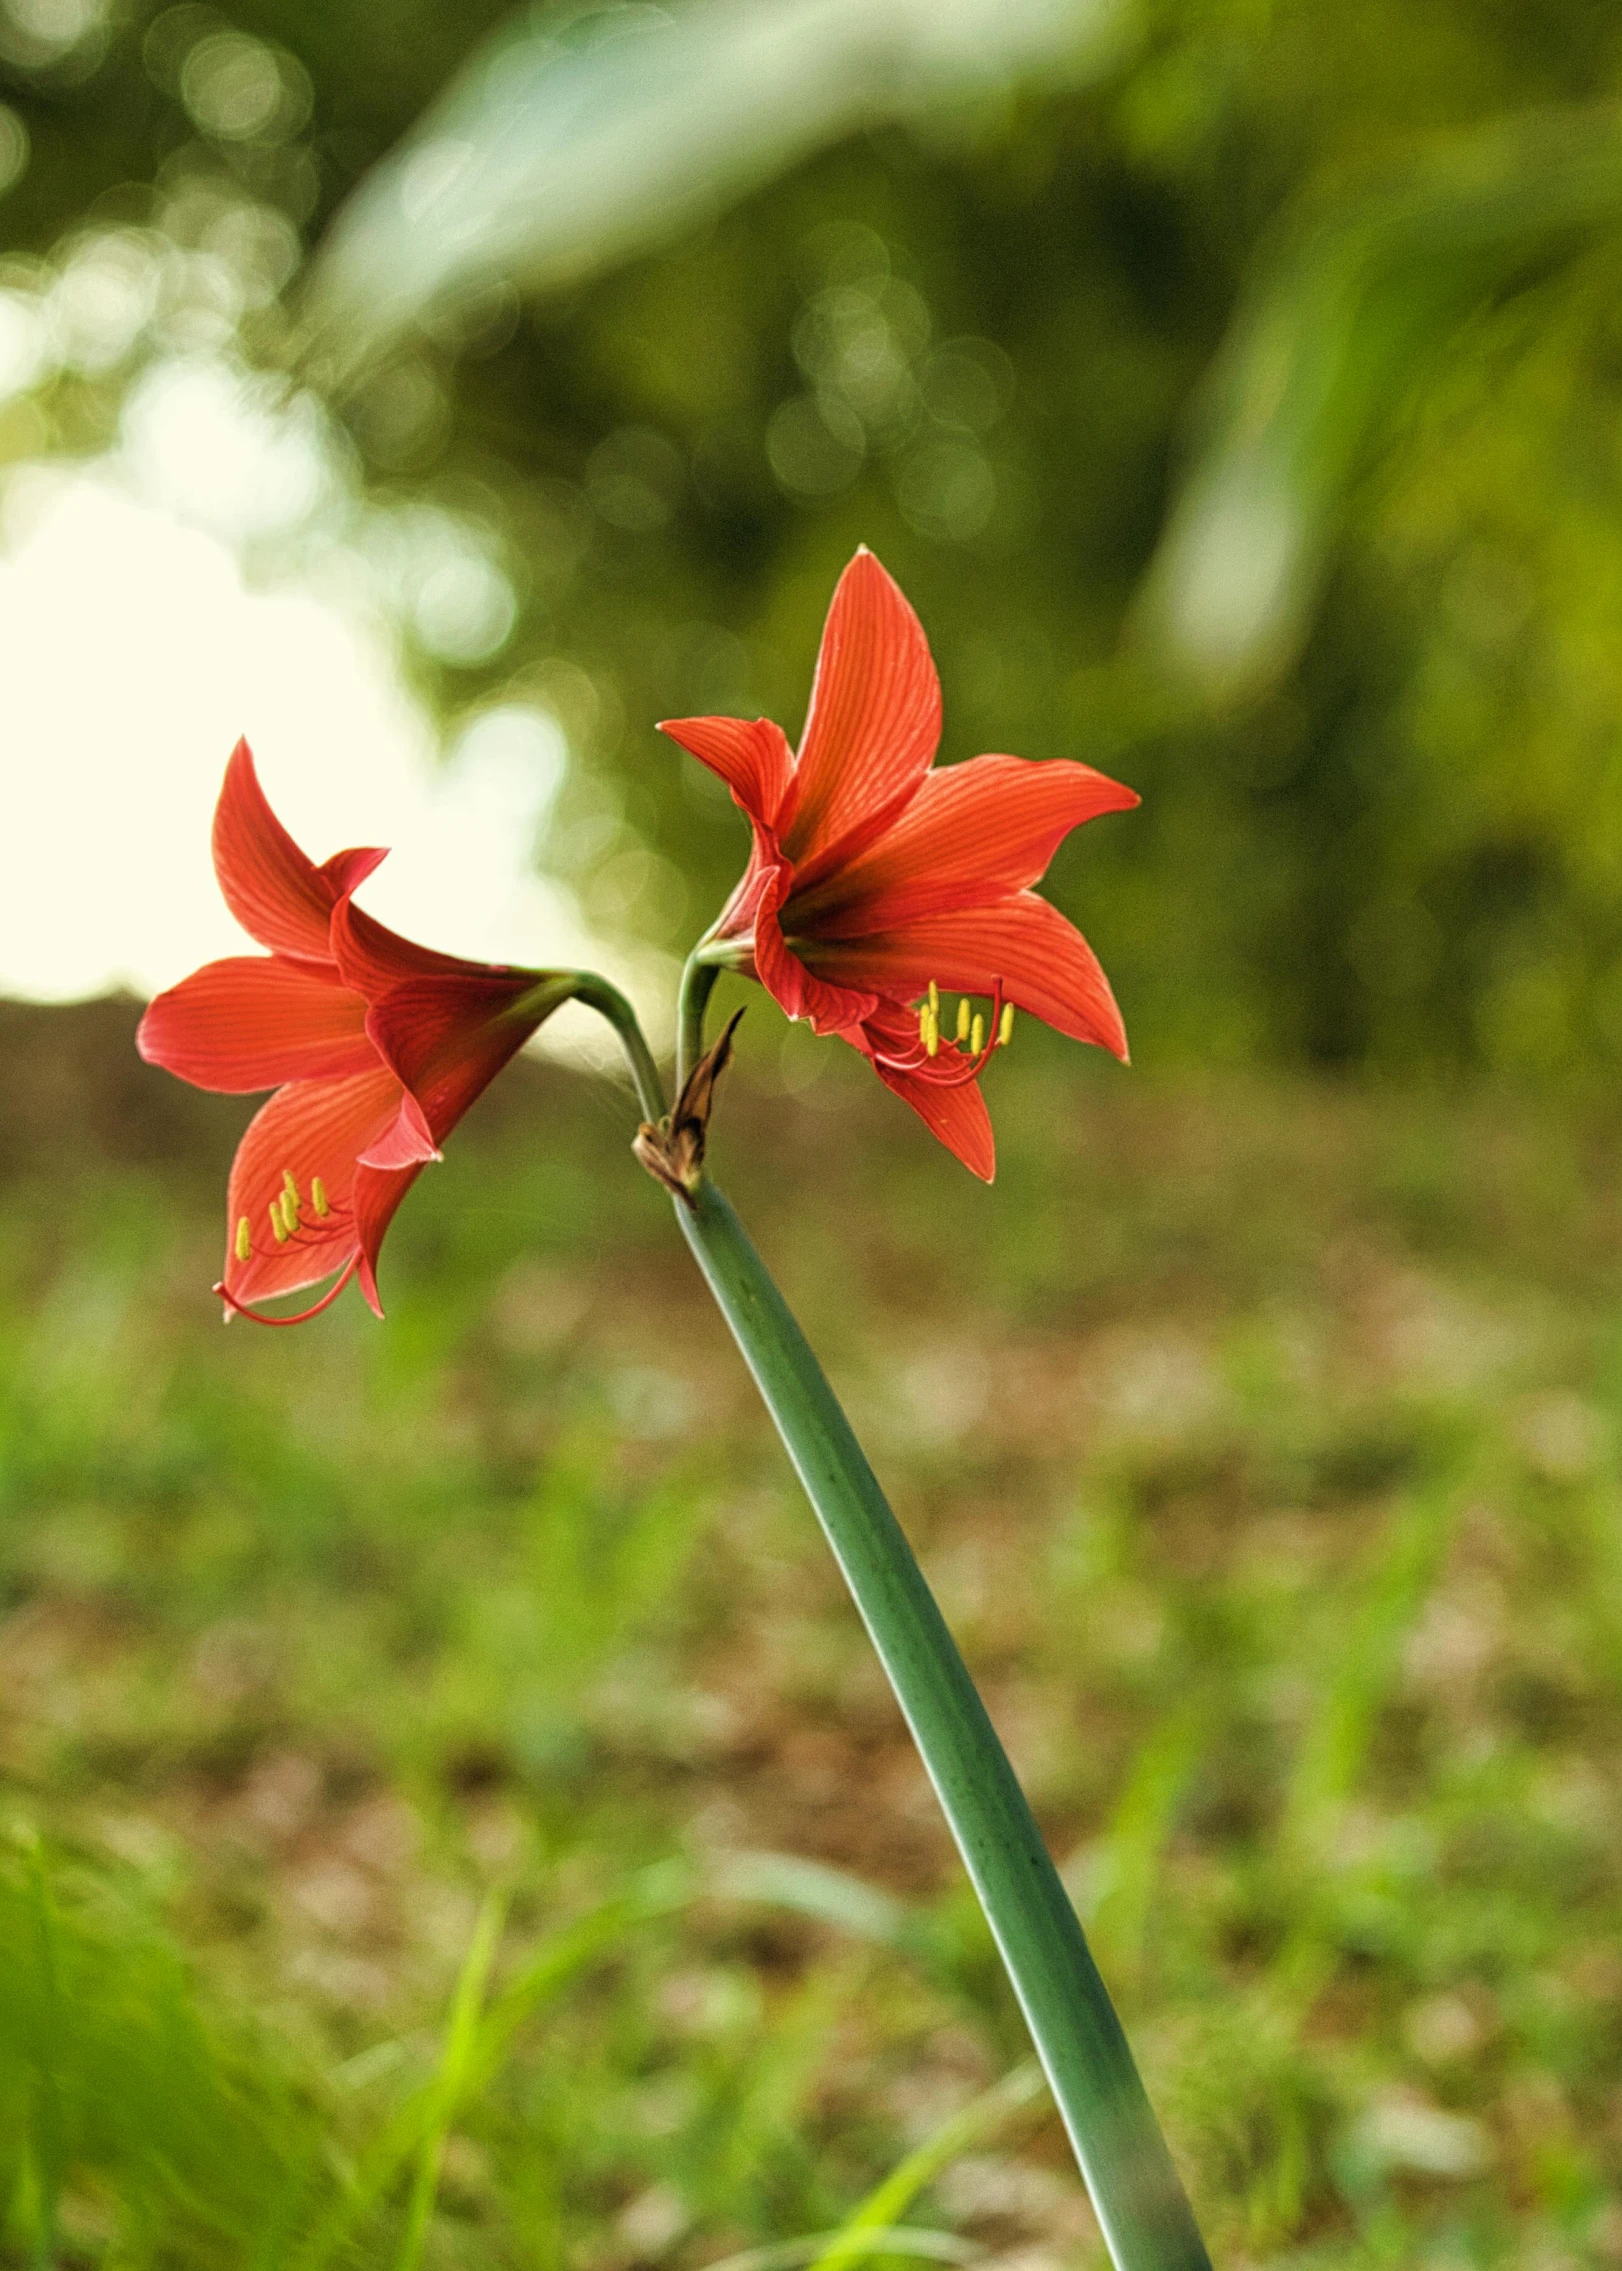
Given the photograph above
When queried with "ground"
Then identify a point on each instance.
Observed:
(451, 1814)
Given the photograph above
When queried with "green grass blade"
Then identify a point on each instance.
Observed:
(868, 2230)
(883, 2239)
(560, 1959)
(450, 2084)
(1140, 2203)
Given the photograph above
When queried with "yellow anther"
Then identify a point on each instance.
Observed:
(977, 1035)
(934, 1001)
(1005, 1027)
(932, 1033)
(290, 1212)
(318, 1197)
(962, 1020)
(276, 1222)
(923, 1025)
(290, 1189)
(244, 1240)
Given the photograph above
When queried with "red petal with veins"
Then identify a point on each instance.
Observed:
(873, 726)
(347, 871)
(957, 1115)
(972, 834)
(310, 1128)
(279, 896)
(255, 1021)
(408, 1140)
(374, 959)
(1042, 961)
(830, 1007)
(377, 1195)
(446, 1039)
(752, 756)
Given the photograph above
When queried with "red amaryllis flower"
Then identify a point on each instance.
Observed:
(876, 881)
(375, 1048)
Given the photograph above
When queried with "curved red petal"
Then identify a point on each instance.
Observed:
(830, 1007)
(374, 959)
(973, 833)
(276, 893)
(310, 1129)
(1023, 944)
(446, 1039)
(347, 871)
(956, 1114)
(407, 1141)
(751, 755)
(378, 1192)
(254, 1022)
(873, 725)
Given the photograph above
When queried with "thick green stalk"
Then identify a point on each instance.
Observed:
(1141, 2206)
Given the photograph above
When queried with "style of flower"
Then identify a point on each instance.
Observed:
(375, 1048)
(877, 879)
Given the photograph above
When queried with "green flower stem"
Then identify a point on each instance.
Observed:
(697, 984)
(1141, 2206)
(596, 993)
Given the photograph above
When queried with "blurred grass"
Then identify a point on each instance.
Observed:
(449, 1813)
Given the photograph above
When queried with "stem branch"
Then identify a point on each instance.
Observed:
(596, 993)
(697, 985)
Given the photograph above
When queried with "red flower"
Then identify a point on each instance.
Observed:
(875, 881)
(375, 1048)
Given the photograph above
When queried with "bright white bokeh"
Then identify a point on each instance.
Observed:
(133, 652)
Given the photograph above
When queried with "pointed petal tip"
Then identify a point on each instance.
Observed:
(347, 871)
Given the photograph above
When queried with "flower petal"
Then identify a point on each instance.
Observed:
(254, 1022)
(830, 1007)
(956, 1114)
(446, 1039)
(278, 895)
(310, 1129)
(973, 833)
(378, 1193)
(752, 756)
(374, 959)
(1041, 961)
(873, 725)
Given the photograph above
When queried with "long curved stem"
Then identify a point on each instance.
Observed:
(1141, 2206)
(596, 993)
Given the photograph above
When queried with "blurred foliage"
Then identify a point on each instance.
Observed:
(474, 1702)
(1375, 721)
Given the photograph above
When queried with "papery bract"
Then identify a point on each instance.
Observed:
(375, 1047)
(876, 879)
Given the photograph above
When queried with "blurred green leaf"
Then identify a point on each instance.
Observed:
(1334, 330)
(563, 150)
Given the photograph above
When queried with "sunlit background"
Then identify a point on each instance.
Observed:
(448, 1814)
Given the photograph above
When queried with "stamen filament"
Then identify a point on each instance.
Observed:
(304, 1315)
